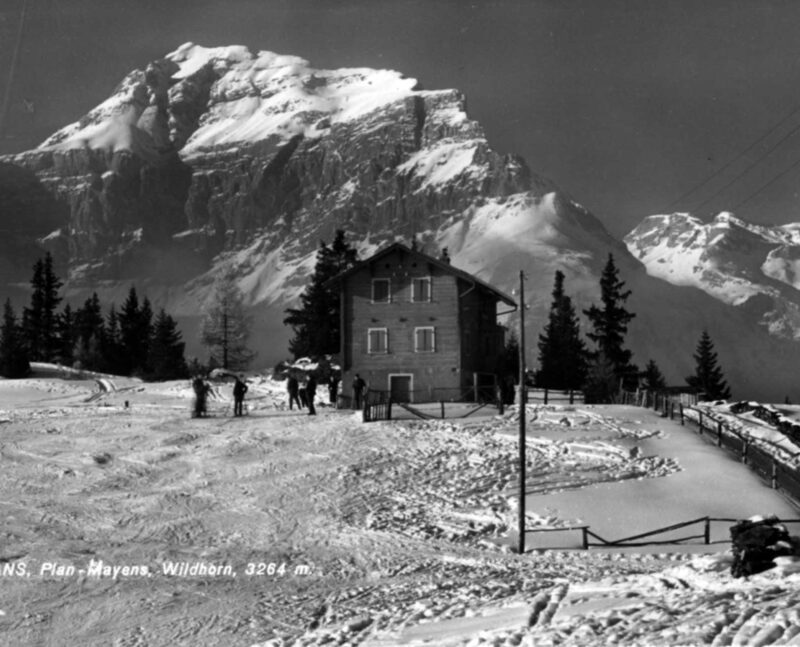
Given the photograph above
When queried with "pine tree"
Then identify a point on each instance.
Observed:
(610, 322)
(653, 379)
(708, 378)
(316, 322)
(166, 360)
(226, 328)
(507, 368)
(88, 320)
(562, 353)
(135, 329)
(13, 352)
(66, 331)
(39, 321)
(109, 345)
(601, 380)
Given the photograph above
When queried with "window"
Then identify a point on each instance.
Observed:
(421, 289)
(377, 340)
(381, 291)
(424, 339)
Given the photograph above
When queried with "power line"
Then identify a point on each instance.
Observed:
(768, 184)
(14, 57)
(726, 166)
(749, 167)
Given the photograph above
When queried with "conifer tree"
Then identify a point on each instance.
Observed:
(225, 328)
(13, 351)
(66, 332)
(601, 380)
(610, 321)
(562, 353)
(109, 345)
(39, 321)
(135, 330)
(166, 360)
(316, 322)
(88, 321)
(507, 369)
(653, 379)
(708, 378)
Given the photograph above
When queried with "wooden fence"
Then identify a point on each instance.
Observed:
(748, 450)
(702, 537)
(550, 396)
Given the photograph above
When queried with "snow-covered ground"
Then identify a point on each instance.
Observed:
(340, 532)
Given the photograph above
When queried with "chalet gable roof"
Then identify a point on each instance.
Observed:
(425, 258)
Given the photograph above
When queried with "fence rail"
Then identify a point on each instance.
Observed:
(633, 541)
(551, 396)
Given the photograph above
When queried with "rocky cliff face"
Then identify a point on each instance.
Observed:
(211, 159)
(207, 148)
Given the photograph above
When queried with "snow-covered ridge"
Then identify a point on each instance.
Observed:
(252, 97)
(728, 258)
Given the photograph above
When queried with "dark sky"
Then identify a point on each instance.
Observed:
(627, 105)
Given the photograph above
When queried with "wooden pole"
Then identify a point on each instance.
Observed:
(522, 398)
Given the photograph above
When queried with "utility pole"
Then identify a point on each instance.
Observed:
(522, 401)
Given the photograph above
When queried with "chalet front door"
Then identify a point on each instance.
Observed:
(400, 388)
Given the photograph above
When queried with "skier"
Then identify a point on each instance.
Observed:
(333, 389)
(239, 389)
(293, 388)
(311, 390)
(201, 390)
(358, 390)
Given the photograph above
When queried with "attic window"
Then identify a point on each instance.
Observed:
(381, 291)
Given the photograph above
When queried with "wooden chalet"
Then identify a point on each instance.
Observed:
(418, 328)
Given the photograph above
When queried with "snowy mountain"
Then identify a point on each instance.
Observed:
(741, 264)
(213, 158)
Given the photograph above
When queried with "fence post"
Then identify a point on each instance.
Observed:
(441, 402)
(571, 396)
(719, 434)
(545, 395)
(700, 424)
(774, 476)
(744, 451)
(585, 530)
(680, 411)
(708, 531)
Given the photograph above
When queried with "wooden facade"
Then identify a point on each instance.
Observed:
(417, 327)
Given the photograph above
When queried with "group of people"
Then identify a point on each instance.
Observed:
(202, 388)
(303, 391)
(302, 394)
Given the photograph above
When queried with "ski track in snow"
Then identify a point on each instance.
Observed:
(404, 526)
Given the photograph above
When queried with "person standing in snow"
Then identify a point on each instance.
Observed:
(239, 389)
(302, 392)
(293, 387)
(201, 389)
(358, 390)
(311, 391)
(333, 390)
